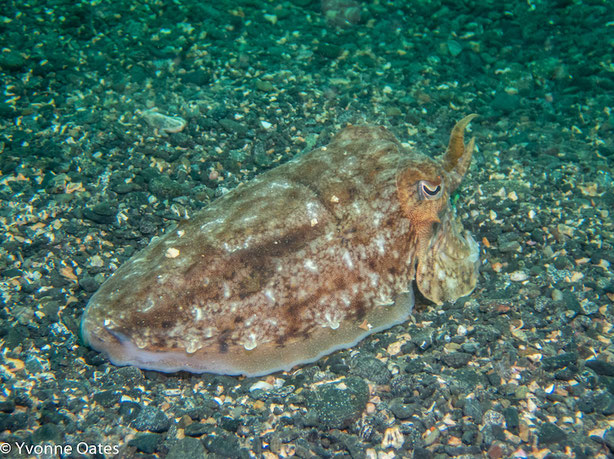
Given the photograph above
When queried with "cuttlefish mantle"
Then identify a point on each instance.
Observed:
(305, 259)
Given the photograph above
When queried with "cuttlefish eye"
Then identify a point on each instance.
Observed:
(429, 191)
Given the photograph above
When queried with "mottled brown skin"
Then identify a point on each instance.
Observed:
(307, 258)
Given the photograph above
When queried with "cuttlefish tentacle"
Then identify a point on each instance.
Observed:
(457, 158)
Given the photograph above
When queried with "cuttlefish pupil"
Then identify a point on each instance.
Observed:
(430, 191)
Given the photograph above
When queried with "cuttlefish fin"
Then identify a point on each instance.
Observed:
(457, 157)
(449, 267)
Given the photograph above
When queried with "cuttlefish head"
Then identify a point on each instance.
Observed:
(447, 256)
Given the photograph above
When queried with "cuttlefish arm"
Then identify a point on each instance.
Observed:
(448, 266)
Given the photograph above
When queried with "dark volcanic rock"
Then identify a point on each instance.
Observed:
(338, 404)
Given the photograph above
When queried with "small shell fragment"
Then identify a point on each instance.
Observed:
(260, 385)
(519, 276)
(393, 438)
(164, 123)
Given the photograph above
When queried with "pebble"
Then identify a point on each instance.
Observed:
(264, 86)
(13, 421)
(196, 429)
(107, 398)
(512, 420)
(338, 405)
(400, 409)
(519, 276)
(601, 367)
(186, 447)
(495, 452)
(146, 443)
(233, 127)
(260, 385)
(152, 419)
(457, 359)
(431, 437)
(11, 60)
(608, 439)
(371, 368)
(48, 432)
(550, 433)
(454, 47)
(164, 123)
(422, 453)
(271, 18)
(226, 446)
(559, 361)
(473, 409)
(88, 284)
(492, 417)
(504, 102)
(510, 246)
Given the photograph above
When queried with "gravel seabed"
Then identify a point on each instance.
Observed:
(90, 171)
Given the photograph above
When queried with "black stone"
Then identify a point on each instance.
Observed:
(123, 376)
(473, 409)
(7, 110)
(505, 103)
(197, 77)
(371, 368)
(414, 366)
(7, 406)
(586, 403)
(196, 429)
(165, 188)
(422, 453)
(224, 445)
(512, 419)
(337, 405)
(233, 127)
(152, 419)
(400, 409)
(423, 340)
(571, 302)
(328, 51)
(146, 443)
(605, 403)
(559, 361)
(12, 61)
(229, 424)
(106, 209)
(469, 436)
(550, 433)
(601, 367)
(186, 447)
(608, 439)
(47, 433)
(107, 398)
(96, 217)
(129, 410)
(456, 359)
(88, 284)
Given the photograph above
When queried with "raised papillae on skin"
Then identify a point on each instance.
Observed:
(305, 259)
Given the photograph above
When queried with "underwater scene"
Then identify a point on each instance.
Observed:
(307, 228)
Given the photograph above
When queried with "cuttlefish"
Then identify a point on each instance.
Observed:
(306, 259)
